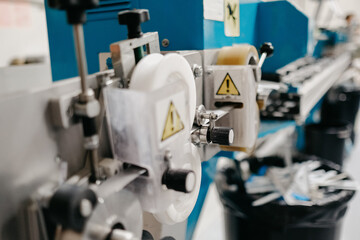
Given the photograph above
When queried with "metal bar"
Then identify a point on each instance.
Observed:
(262, 60)
(94, 163)
(81, 56)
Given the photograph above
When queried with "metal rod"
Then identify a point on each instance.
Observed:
(83, 72)
(94, 163)
(262, 59)
(81, 56)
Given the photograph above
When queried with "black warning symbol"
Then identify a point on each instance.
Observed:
(228, 87)
(173, 123)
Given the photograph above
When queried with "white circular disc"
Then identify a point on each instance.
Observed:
(184, 204)
(118, 208)
(155, 71)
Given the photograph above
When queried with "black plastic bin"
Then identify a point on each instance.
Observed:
(341, 104)
(327, 140)
(276, 220)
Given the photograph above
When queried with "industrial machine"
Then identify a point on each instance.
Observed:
(118, 153)
(120, 145)
(307, 80)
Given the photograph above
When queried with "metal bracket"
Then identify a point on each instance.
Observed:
(62, 110)
(122, 54)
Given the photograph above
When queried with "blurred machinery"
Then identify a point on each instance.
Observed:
(101, 153)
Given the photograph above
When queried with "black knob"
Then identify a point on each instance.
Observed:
(221, 135)
(133, 20)
(71, 205)
(75, 8)
(267, 48)
(181, 180)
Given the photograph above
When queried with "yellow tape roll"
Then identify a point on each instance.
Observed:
(242, 54)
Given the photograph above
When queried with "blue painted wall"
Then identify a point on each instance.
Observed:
(100, 31)
(182, 22)
(286, 27)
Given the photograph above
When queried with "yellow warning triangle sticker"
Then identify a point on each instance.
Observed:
(173, 123)
(228, 87)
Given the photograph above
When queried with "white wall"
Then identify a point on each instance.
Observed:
(339, 9)
(22, 30)
(342, 7)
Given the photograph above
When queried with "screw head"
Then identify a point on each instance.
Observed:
(197, 70)
(165, 42)
(168, 156)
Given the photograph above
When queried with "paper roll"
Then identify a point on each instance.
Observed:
(154, 72)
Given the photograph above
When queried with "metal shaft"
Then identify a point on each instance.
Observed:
(83, 72)
(81, 56)
(94, 163)
(262, 59)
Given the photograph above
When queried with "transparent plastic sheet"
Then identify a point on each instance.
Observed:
(136, 123)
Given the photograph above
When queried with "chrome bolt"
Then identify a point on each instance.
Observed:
(197, 70)
(210, 116)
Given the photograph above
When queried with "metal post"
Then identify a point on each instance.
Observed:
(81, 56)
(86, 97)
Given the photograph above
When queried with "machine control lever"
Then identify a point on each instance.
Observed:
(181, 180)
(133, 20)
(266, 50)
(208, 132)
(71, 205)
(221, 135)
(75, 9)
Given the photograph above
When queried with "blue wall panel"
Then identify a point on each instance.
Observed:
(61, 44)
(179, 21)
(287, 28)
(183, 24)
(101, 30)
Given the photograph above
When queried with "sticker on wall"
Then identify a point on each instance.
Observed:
(214, 10)
(232, 18)
(173, 123)
(228, 87)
